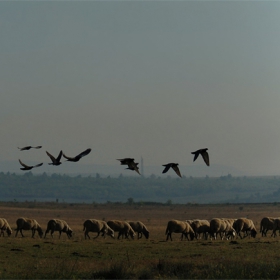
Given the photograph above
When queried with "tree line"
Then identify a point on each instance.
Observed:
(90, 189)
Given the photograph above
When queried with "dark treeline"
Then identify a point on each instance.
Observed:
(96, 189)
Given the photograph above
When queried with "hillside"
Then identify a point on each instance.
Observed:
(97, 189)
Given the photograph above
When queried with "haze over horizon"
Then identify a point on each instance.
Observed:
(151, 79)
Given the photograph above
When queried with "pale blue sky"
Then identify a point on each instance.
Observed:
(157, 79)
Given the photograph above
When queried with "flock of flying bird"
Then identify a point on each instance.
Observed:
(131, 165)
(55, 161)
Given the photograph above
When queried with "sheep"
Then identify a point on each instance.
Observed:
(4, 226)
(179, 227)
(266, 225)
(231, 221)
(58, 225)
(200, 226)
(122, 227)
(28, 224)
(221, 226)
(140, 228)
(276, 226)
(98, 226)
(245, 225)
(231, 233)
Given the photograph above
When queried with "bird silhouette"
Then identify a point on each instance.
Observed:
(29, 147)
(126, 161)
(174, 166)
(78, 157)
(133, 166)
(55, 161)
(27, 167)
(203, 153)
(130, 163)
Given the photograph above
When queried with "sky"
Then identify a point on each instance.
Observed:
(151, 79)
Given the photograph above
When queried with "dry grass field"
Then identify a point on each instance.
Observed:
(54, 258)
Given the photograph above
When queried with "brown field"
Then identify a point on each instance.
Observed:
(153, 258)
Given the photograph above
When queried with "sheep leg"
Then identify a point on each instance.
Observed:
(87, 235)
(119, 235)
(168, 236)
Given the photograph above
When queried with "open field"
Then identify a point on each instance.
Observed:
(153, 258)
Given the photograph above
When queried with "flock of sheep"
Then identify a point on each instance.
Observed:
(225, 228)
(125, 229)
(190, 229)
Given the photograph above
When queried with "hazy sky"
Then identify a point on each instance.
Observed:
(157, 79)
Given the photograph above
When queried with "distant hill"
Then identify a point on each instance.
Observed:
(98, 189)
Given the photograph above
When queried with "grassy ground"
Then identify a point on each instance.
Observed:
(109, 258)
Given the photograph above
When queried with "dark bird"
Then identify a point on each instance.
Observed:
(203, 153)
(130, 163)
(26, 167)
(174, 167)
(133, 166)
(29, 147)
(126, 161)
(78, 157)
(55, 161)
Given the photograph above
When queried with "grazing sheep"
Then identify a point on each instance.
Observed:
(276, 226)
(182, 227)
(58, 225)
(231, 221)
(200, 226)
(28, 224)
(266, 225)
(98, 226)
(221, 226)
(232, 233)
(122, 227)
(245, 225)
(4, 226)
(140, 228)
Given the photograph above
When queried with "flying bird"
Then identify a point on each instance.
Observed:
(29, 147)
(27, 167)
(133, 166)
(78, 157)
(55, 161)
(203, 153)
(174, 166)
(126, 161)
(130, 163)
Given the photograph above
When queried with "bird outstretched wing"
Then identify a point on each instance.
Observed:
(177, 170)
(51, 157)
(196, 154)
(59, 156)
(167, 167)
(205, 156)
(84, 153)
(23, 164)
